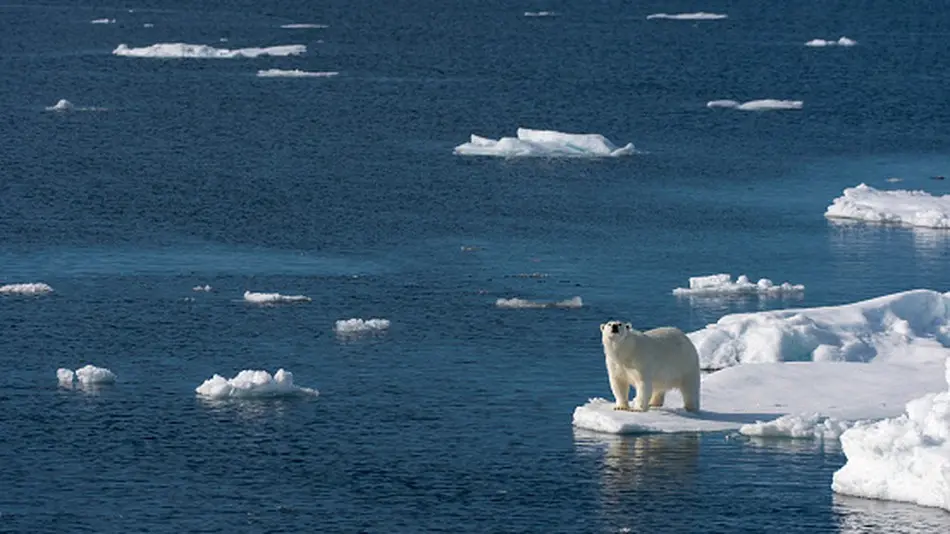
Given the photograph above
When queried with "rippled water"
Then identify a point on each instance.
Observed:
(458, 417)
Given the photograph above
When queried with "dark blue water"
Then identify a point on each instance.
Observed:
(345, 189)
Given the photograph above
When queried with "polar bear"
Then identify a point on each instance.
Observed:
(653, 362)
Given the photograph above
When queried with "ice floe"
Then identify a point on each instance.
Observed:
(303, 26)
(88, 375)
(102, 21)
(251, 384)
(539, 13)
(294, 73)
(359, 326)
(722, 284)
(798, 426)
(273, 298)
(544, 143)
(908, 208)
(204, 288)
(35, 288)
(765, 104)
(516, 303)
(906, 458)
(891, 327)
(820, 43)
(701, 15)
(184, 50)
(65, 106)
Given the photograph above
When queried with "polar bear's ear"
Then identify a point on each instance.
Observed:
(602, 326)
(629, 327)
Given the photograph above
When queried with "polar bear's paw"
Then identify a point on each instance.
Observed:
(622, 408)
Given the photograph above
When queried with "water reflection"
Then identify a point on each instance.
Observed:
(868, 515)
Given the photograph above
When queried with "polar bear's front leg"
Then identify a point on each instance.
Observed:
(644, 392)
(621, 389)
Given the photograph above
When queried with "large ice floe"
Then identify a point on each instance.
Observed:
(766, 104)
(722, 284)
(251, 384)
(906, 458)
(823, 368)
(359, 326)
(33, 288)
(908, 208)
(821, 43)
(88, 375)
(516, 303)
(544, 143)
(701, 15)
(273, 298)
(184, 50)
(294, 73)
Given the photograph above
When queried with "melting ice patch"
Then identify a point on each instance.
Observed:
(897, 327)
(295, 73)
(798, 426)
(204, 288)
(544, 143)
(539, 13)
(756, 105)
(516, 303)
(906, 458)
(908, 208)
(65, 106)
(87, 376)
(820, 43)
(183, 50)
(303, 26)
(273, 298)
(701, 15)
(36, 288)
(250, 384)
(102, 21)
(359, 326)
(722, 284)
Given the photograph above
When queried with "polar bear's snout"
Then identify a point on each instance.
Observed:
(615, 328)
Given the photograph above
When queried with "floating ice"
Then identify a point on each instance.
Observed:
(747, 394)
(539, 13)
(183, 50)
(357, 326)
(204, 288)
(908, 208)
(249, 384)
(295, 73)
(88, 375)
(843, 41)
(516, 303)
(895, 327)
(701, 15)
(902, 459)
(65, 377)
(61, 105)
(544, 143)
(102, 21)
(756, 105)
(37, 288)
(303, 26)
(148, 25)
(273, 298)
(722, 284)
(798, 426)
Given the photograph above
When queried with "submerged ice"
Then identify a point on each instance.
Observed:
(765, 104)
(908, 208)
(184, 50)
(252, 384)
(544, 143)
(701, 15)
(294, 73)
(516, 303)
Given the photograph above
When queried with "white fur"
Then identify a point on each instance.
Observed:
(653, 362)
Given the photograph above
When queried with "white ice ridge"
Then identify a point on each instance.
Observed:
(36, 288)
(843, 41)
(183, 50)
(756, 105)
(295, 73)
(722, 284)
(250, 384)
(798, 426)
(204, 288)
(303, 26)
(902, 459)
(539, 13)
(544, 143)
(356, 326)
(701, 15)
(516, 303)
(840, 393)
(894, 328)
(909, 208)
(87, 375)
(102, 21)
(273, 298)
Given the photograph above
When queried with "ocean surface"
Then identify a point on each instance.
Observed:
(173, 173)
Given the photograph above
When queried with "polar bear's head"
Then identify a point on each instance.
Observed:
(614, 330)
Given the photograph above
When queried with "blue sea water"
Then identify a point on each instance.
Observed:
(345, 189)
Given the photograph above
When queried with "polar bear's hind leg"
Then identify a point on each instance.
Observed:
(657, 398)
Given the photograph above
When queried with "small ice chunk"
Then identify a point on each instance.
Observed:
(273, 298)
